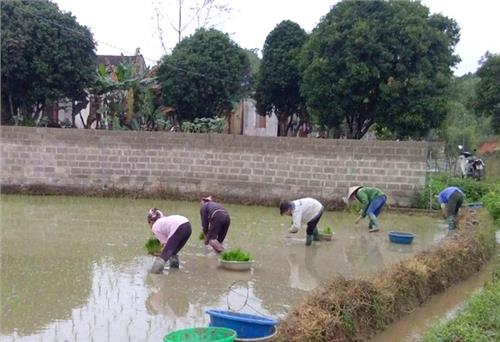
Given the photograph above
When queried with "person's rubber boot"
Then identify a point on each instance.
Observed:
(174, 261)
(309, 239)
(373, 226)
(316, 234)
(158, 266)
(451, 222)
(216, 245)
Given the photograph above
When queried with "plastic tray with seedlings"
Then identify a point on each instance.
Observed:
(153, 246)
(236, 259)
(326, 234)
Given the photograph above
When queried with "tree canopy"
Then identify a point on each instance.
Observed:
(203, 75)
(488, 89)
(278, 79)
(379, 62)
(46, 56)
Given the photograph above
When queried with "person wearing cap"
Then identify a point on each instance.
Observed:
(173, 231)
(372, 201)
(215, 223)
(450, 200)
(304, 210)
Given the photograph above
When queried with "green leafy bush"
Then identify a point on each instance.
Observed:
(153, 245)
(492, 202)
(236, 255)
(474, 191)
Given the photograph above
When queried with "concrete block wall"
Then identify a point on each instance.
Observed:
(253, 169)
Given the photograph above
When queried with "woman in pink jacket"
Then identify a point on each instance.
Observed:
(173, 232)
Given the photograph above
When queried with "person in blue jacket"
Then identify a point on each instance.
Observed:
(451, 200)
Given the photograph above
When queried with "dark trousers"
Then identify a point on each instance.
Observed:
(311, 225)
(176, 241)
(454, 203)
(218, 226)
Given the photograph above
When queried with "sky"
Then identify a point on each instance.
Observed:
(122, 26)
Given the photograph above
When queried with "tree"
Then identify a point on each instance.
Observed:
(488, 89)
(277, 88)
(379, 62)
(191, 15)
(46, 56)
(203, 75)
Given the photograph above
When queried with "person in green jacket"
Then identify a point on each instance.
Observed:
(372, 200)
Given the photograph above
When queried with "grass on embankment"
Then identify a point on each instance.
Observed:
(355, 309)
(478, 321)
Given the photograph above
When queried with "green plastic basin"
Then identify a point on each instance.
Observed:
(210, 334)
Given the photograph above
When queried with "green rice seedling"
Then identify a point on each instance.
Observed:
(236, 255)
(153, 246)
(327, 230)
(201, 236)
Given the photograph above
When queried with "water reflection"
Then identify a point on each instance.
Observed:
(82, 276)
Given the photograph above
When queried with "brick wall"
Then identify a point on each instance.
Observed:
(234, 167)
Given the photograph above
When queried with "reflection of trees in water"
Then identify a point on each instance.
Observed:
(38, 290)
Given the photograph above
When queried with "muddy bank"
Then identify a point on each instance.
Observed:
(172, 194)
(355, 309)
(163, 193)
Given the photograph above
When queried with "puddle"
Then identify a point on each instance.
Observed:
(411, 327)
(74, 268)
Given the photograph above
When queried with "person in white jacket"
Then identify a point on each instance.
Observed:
(304, 210)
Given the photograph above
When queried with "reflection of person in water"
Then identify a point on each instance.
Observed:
(364, 254)
(162, 302)
(303, 273)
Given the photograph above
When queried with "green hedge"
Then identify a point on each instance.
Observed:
(474, 191)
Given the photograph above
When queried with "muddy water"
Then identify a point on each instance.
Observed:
(410, 328)
(75, 268)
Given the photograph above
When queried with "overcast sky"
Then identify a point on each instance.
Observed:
(122, 26)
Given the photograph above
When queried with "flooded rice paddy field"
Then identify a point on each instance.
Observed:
(75, 268)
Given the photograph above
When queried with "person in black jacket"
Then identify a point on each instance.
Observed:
(215, 223)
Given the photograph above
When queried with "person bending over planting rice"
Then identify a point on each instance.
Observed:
(372, 201)
(451, 200)
(215, 223)
(304, 210)
(173, 232)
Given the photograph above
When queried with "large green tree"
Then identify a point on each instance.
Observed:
(380, 62)
(46, 56)
(203, 75)
(277, 88)
(488, 89)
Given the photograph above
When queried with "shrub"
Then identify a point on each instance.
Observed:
(492, 202)
(474, 191)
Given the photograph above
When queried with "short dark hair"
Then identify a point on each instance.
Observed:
(284, 206)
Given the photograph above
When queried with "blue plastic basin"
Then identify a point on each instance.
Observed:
(401, 237)
(245, 325)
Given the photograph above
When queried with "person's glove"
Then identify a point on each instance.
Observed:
(309, 240)
(158, 266)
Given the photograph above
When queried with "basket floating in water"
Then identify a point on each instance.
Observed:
(401, 237)
(245, 325)
(210, 334)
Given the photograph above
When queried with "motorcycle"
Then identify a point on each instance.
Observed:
(470, 166)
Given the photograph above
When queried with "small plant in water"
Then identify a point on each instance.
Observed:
(236, 255)
(201, 236)
(327, 230)
(153, 245)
